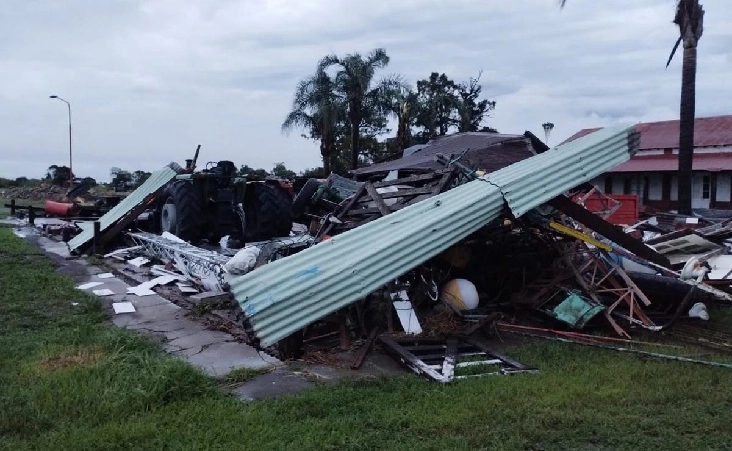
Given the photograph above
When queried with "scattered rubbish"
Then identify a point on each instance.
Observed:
(170, 237)
(288, 294)
(452, 358)
(88, 285)
(138, 262)
(699, 310)
(186, 289)
(209, 296)
(193, 262)
(452, 241)
(405, 312)
(123, 251)
(572, 308)
(140, 291)
(74, 304)
(123, 307)
(145, 288)
(105, 275)
(103, 292)
(243, 261)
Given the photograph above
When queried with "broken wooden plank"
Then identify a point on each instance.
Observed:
(364, 350)
(376, 197)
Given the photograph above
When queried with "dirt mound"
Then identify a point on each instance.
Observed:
(41, 192)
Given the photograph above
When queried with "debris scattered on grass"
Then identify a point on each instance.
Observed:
(123, 307)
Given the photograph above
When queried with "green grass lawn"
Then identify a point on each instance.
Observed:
(68, 381)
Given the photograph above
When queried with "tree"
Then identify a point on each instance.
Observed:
(401, 102)
(443, 105)
(364, 99)
(89, 181)
(312, 173)
(58, 175)
(139, 177)
(472, 111)
(260, 173)
(282, 172)
(689, 18)
(318, 109)
(121, 179)
(437, 102)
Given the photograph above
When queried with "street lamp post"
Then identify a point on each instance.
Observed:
(71, 170)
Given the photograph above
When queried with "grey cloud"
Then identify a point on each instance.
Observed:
(150, 79)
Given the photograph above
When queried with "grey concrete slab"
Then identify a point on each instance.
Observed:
(219, 359)
(199, 339)
(277, 383)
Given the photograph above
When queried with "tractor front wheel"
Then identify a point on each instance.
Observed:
(180, 213)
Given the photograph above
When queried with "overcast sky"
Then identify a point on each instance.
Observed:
(148, 80)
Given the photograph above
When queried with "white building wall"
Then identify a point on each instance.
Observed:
(674, 187)
(655, 187)
(724, 186)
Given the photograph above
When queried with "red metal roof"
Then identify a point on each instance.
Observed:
(708, 131)
(702, 162)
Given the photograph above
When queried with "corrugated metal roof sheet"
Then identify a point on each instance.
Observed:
(708, 132)
(288, 294)
(660, 163)
(156, 181)
(486, 151)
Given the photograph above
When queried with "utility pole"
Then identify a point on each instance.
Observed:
(71, 168)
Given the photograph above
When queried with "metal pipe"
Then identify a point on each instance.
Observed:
(632, 351)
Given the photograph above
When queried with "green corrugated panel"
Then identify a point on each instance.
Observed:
(156, 181)
(288, 294)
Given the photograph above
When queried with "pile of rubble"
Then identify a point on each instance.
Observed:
(40, 192)
(430, 255)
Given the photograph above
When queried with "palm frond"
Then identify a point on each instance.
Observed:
(673, 52)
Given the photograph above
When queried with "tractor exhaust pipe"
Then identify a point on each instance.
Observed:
(191, 164)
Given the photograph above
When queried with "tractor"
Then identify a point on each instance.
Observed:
(217, 201)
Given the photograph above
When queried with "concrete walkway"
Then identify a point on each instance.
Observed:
(217, 353)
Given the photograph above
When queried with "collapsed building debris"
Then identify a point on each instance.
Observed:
(452, 358)
(115, 220)
(287, 295)
(419, 256)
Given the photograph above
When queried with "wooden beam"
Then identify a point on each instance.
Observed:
(609, 231)
(383, 209)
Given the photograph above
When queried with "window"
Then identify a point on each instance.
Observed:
(706, 186)
(608, 184)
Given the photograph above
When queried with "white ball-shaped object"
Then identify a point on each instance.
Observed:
(460, 294)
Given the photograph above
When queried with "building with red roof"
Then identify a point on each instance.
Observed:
(652, 172)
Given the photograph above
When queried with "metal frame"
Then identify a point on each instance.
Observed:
(191, 260)
(437, 359)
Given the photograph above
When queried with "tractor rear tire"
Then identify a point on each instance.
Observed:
(268, 212)
(181, 211)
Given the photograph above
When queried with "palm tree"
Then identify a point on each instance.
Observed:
(354, 81)
(690, 20)
(318, 109)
